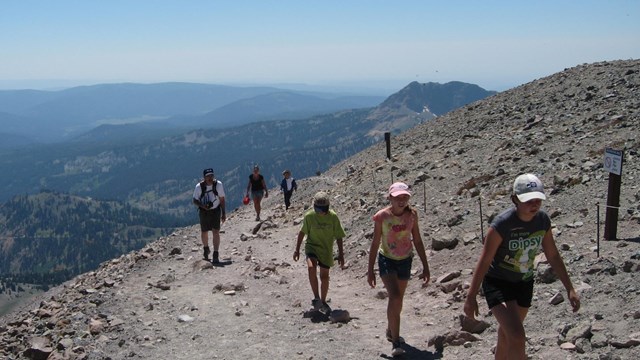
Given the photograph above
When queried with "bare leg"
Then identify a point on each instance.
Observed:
(324, 284)
(215, 239)
(395, 289)
(511, 335)
(256, 205)
(204, 236)
(313, 277)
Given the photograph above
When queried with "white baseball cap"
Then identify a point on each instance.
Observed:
(528, 187)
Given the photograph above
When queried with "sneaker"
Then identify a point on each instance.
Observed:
(214, 258)
(324, 308)
(206, 253)
(316, 304)
(396, 349)
(390, 339)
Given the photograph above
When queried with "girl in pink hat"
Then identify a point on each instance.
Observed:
(395, 235)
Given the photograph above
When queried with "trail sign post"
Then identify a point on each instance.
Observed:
(613, 164)
(387, 139)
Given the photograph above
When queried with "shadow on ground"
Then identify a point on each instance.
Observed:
(414, 353)
(316, 316)
(222, 263)
(336, 316)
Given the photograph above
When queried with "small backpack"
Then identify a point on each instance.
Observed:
(203, 188)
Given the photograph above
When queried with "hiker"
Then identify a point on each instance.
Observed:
(208, 196)
(257, 188)
(288, 186)
(505, 269)
(395, 235)
(322, 227)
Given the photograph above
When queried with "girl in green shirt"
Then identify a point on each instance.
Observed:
(321, 227)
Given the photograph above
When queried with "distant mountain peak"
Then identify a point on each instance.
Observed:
(436, 98)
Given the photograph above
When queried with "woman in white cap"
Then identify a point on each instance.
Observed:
(506, 270)
(395, 234)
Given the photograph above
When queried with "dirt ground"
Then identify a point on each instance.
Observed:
(170, 304)
(270, 315)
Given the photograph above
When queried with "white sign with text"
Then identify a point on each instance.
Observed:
(613, 161)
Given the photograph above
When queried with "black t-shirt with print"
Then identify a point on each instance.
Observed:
(521, 242)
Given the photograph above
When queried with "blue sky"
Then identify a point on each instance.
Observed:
(349, 43)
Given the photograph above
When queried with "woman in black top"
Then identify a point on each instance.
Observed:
(257, 187)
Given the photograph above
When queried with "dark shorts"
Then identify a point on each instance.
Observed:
(257, 194)
(497, 291)
(209, 219)
(402, 268)
(314, 256)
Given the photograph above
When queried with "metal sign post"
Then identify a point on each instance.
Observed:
(613, 164)
(598, 227)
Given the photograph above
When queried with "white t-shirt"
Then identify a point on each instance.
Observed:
(289, 183)
(209, 194)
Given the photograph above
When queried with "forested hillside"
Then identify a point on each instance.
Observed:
(50, 236)
(160, 175)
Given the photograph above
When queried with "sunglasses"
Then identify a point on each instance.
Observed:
(321, 209)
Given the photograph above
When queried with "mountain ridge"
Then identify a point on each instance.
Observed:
(58, 115)
(260, 108)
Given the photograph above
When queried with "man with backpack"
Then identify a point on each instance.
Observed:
(208, 196)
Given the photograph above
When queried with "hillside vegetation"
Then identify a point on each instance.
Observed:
(49, 237)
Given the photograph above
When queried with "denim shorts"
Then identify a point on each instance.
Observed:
(498, 291)
(402, 268)
(257, 194)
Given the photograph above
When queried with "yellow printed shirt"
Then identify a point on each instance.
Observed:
(396, 241)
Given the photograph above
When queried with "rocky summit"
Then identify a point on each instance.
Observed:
(164, 302)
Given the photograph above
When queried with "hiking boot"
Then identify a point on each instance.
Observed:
(390, 339)
(396, 349)
(324, 308)
(316, 303)
(257, 218)
(214, 258)
(206, 253)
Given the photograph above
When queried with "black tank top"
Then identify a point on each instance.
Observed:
(256, 185)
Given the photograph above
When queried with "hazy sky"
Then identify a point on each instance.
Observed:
(372, 43)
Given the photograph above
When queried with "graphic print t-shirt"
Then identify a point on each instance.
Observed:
(396, 241)
(521, 242)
